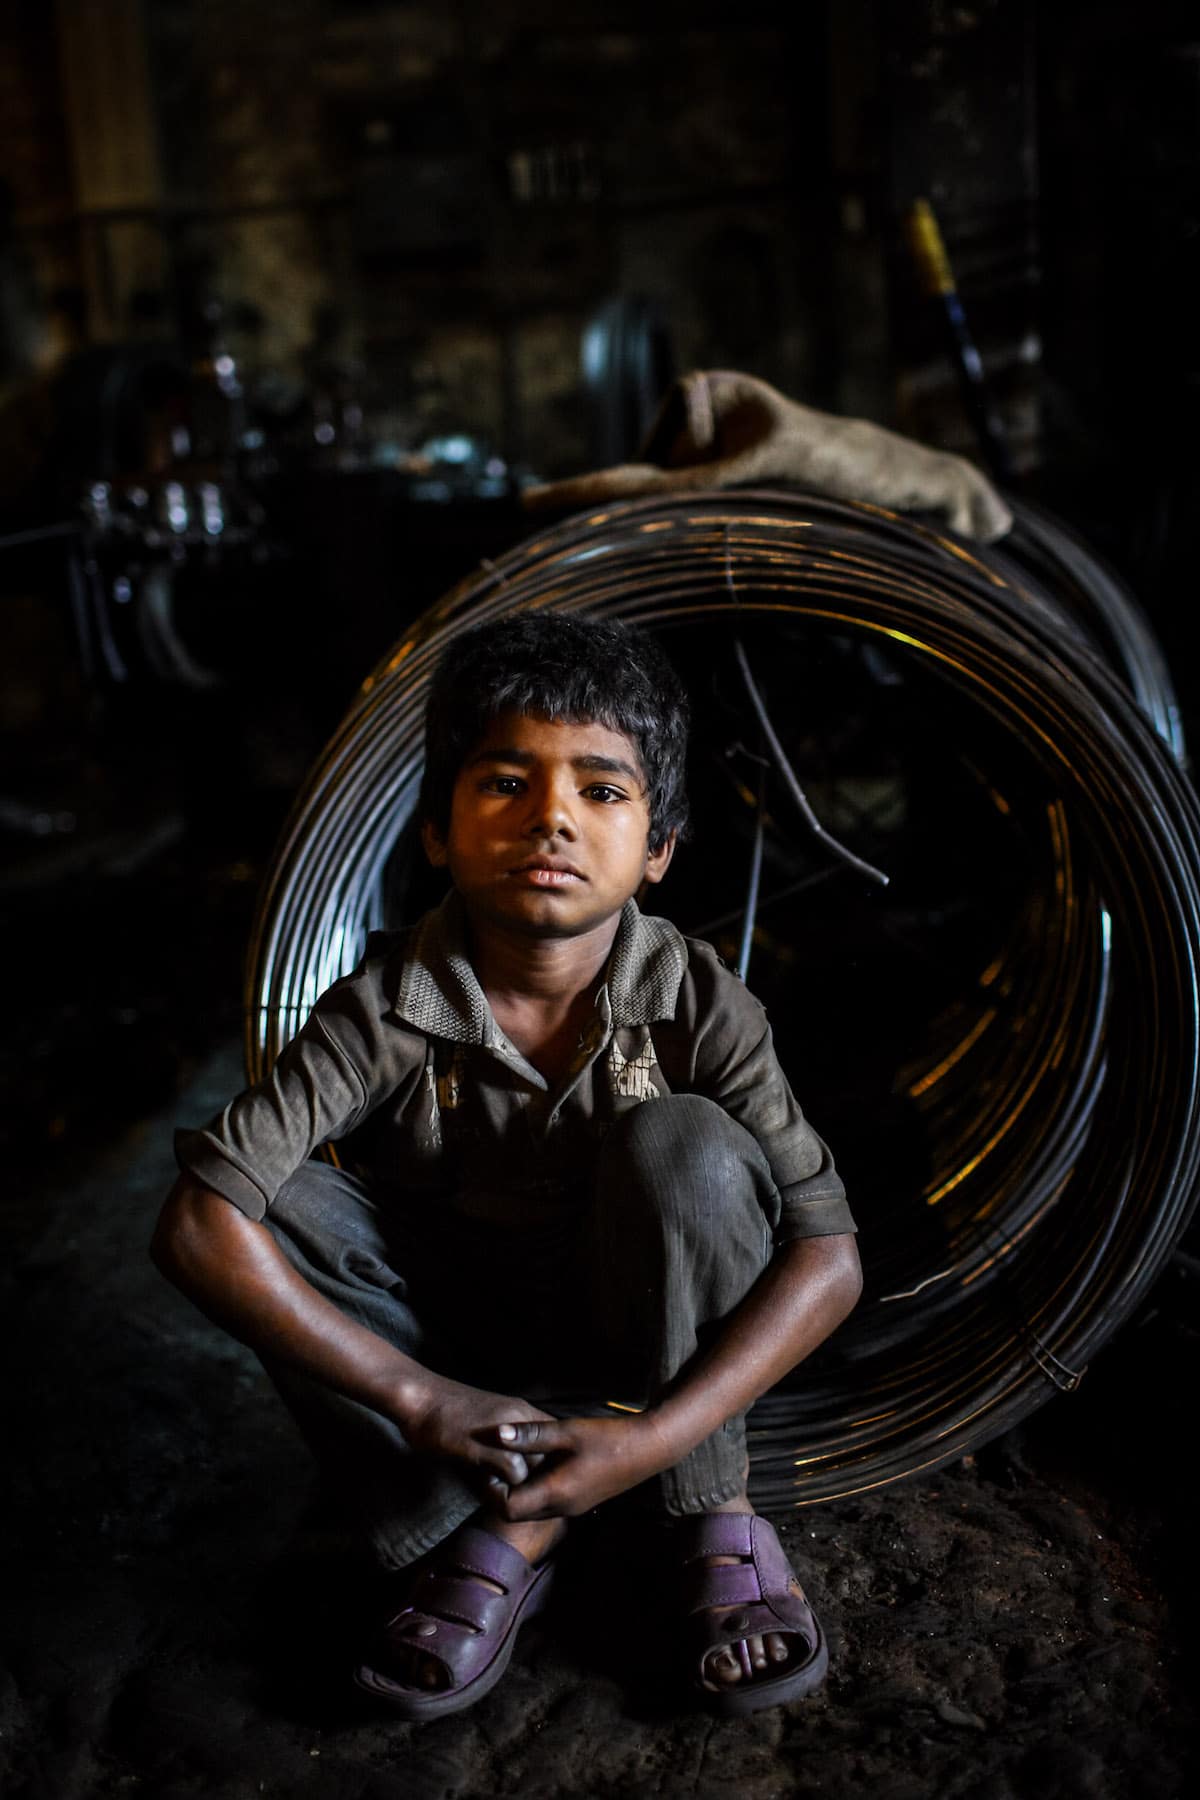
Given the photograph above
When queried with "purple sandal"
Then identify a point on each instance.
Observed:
(760, 1587)
(454, 1618)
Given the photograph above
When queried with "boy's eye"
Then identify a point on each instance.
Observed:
(602, 790)
(503, 784)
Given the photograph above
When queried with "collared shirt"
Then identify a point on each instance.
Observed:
(401, 1064)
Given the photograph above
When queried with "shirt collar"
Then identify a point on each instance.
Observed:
(436, 990)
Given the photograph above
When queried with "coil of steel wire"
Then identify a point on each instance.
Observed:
(1002, 1045)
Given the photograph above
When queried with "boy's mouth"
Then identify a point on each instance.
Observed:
(550, 872)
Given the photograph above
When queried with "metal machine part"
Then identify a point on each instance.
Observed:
(1002, 1045)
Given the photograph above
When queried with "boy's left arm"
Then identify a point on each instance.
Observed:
(804, 1293)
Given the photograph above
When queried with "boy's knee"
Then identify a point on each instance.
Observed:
(682, 1126)
(683, 1154)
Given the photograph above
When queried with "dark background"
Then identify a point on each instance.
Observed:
(349, 275)
(335, 245)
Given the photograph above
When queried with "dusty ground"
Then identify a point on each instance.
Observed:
(180, 1609)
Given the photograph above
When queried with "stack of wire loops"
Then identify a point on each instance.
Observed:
(1000, 1041)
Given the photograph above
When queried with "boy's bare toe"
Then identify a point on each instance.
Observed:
(761, 1653)
(408, 1666)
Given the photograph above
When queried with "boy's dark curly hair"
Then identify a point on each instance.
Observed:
(558, 666)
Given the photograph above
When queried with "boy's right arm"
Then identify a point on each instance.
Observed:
(235, 1272)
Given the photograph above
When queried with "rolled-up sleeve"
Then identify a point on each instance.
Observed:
(318, 1090)
(734, 1063)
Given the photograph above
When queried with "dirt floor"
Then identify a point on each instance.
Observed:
(182, 1609)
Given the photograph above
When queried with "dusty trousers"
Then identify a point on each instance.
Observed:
(676, 1228)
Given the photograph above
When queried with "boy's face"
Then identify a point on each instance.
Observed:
(549, 827)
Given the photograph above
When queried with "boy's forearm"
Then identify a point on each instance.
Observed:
(807, 1289)
(235, 1272)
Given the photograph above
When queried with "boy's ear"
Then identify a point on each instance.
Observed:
(434, 843)
(659, 861)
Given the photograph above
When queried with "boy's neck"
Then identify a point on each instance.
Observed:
(549, 970)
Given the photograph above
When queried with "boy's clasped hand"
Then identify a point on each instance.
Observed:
(465, 1424)
(576, 1465)
(530, 1464)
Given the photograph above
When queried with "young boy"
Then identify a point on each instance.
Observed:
(570, 1169)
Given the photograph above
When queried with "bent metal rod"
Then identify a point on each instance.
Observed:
(1057, 1100)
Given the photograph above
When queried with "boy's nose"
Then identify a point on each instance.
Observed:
(551, 812)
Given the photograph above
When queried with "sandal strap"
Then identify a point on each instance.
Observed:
(775, 1572)
(482, 1553)
(715, 1534)
(460, 1600)
(738, 1534)
(731, 1584)
(444, 1641)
